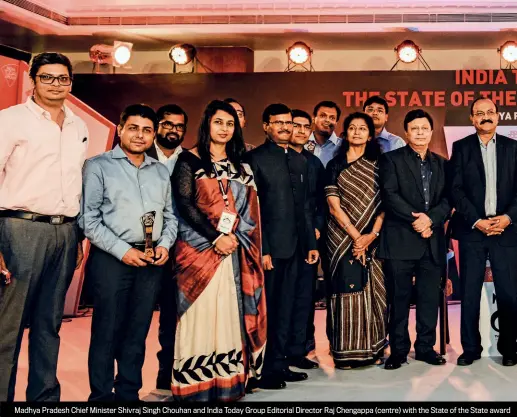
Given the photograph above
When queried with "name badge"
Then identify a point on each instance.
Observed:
(226, 222)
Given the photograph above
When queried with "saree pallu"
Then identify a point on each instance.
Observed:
(357, 308)
(221, 332)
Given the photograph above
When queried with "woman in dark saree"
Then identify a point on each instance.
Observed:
(357, 307)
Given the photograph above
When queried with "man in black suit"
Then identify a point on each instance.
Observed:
(309, 272)
(287, 239)
(412, 240)
(172, 126)
(483, 191)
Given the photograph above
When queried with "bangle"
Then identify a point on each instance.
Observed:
(348, 225)
(375, 233)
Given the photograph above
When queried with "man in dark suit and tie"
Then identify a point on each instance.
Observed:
(412, 241)
(483, 191)
(287, 239)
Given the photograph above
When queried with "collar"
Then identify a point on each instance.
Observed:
(118, 153)
(42, 113)
(175, 154)
(384, 134)
(333, 138)
(493, 139)
(416, 155)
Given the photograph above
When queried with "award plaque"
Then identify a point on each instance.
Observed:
(148, 222)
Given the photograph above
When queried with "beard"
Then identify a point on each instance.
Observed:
(170, 141)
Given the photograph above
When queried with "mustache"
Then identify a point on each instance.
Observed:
(284, 131)
(486, 121)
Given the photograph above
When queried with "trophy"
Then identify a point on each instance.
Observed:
(148, 222)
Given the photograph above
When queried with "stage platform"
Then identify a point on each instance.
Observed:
(485, 380)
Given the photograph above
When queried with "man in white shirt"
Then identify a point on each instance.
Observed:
(172, 126)
(323, 142)
(42, 151)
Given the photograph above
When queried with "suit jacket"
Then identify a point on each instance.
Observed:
(467, 187)
(152, 152)
(316, 189)
(402, 193)
(281, 179)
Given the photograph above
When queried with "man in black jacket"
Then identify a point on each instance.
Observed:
(412, 240)
(287, 239)
(309, 272)
(483, 191)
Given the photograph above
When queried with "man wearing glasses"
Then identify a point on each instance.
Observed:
(42, 151)
(483, 190)
(281, 176)
(172, 126)
(377, 108)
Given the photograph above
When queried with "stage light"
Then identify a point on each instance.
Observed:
(299, 53)
(408, 51)
(182, 54)
(508, 51)
(121, 53)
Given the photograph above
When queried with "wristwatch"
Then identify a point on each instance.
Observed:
(375, 233)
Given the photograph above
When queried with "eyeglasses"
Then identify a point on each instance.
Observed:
(489, 113)
(279, 123)
(424, 129)
(63, 80)
(180, 127)
(300, 126)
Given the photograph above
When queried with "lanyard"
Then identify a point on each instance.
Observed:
(221, 187)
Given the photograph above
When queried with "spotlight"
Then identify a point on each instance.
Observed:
(508, 51)
(298, 54)
(182, 54)
(121, 53)
(408, 51)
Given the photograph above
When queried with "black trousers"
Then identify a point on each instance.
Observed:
(167, 329)
(41, 258)
(399, 274)
(287, 313)
(311, 271)
(123, 302)
(503, 261)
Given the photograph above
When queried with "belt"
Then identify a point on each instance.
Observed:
(35, 217)
(141, 245)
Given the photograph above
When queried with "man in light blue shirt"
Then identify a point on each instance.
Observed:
(122, 190)
(323, 142)
(377, 108)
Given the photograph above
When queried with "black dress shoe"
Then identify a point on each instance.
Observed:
(271, 382)
(303, 363)
(395, 362)
(509, 360)
(466, 359)
(292, 376)
(432, 358)
(251, 385)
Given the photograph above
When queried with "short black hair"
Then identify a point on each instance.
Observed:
(376, 100)
(47, 58)
(330, 104)
(372, 150)
(171, 109)
(142, 110)
(301, 113)
(274, 110)
(230, 100)
(482, 98)
(417, 114)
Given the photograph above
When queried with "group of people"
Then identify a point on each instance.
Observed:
(226, 238)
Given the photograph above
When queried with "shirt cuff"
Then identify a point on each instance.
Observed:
(120, 249)
(474, 225)
(509, 218)
(165, 242)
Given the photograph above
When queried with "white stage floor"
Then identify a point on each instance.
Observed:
(485, 380)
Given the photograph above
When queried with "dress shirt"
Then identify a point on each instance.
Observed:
(169, 162)
(41, 163)
(116, 194)
(324, 152)
(389, 142)
(425, 173)
(488, 153)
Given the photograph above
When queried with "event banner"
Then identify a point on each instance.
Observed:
(446, 95)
